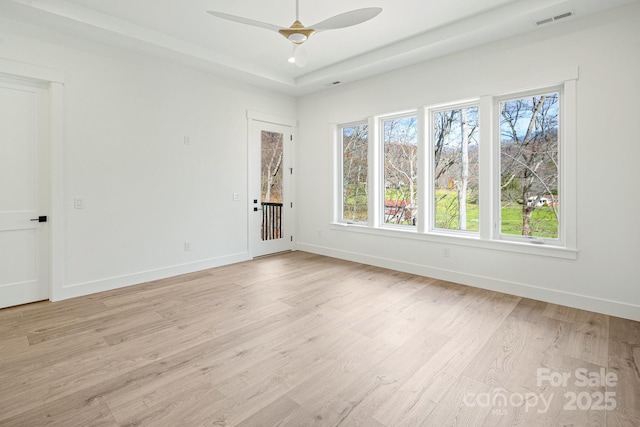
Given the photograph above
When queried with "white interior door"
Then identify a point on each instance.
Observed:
(270, 188)
(24, 195)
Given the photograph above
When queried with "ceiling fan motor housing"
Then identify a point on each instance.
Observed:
(297, 33)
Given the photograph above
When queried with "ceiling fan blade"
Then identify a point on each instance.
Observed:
(347, 19)
(246, 21)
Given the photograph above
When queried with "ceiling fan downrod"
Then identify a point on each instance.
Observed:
(297, 33)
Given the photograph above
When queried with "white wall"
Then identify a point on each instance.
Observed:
(146, 192)
(605, 277)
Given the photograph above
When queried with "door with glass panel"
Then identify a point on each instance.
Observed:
(270, 188)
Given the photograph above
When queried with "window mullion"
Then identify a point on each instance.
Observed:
(338, 178)
(425, 198)
(374, 173)
(487, 175)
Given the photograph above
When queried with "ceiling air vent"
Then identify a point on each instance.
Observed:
(544, 21)
(554, 18)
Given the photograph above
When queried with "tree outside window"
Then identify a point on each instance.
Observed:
(529, 171)
(271, 164)
(355, 149)
(400, 144)
(455, 180)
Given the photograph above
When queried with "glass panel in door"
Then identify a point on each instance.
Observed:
(271, 184)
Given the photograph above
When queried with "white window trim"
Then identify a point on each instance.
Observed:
(567, 169)
(459, 240)
(428, 197)
(376, 173)
(565, 247)
(379, 184)
(338, 185)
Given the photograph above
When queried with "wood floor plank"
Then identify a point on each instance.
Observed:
(10, 323)
(459, 406)
(10, 347)
(353, 401)
(14, 366)
(293, 360)
(103, 323)
(348, 363)
(461, 312)
(512, 356)
(420, 306)
(434, 379)
(191, 406)
(624, 362)
(589, 339)
(300, 339)
(143, 393)
(276, 414)
(69, 411)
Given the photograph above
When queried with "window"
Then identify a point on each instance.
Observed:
(400, 145)
(355, 148)
(455, 168)
(529, 166)
(494, 172)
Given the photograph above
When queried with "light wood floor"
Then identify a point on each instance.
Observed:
(299, 340)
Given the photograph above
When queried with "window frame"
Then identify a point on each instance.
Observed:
(379, 180)
(488, 237)
(430, 185)
(566, 167)
(339, 161)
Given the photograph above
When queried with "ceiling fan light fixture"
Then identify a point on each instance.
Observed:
(297, 38)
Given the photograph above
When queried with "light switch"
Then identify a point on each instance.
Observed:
(78, 202)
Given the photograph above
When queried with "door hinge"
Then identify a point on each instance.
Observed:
(291, 171)
(291, 204)
(290, 137)
(292, 238)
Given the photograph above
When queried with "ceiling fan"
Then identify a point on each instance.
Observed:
(298, 33)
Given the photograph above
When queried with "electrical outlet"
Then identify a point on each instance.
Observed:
(236, 197)
(187, 246)
(78, 202)
(446, 252)
(187, 140)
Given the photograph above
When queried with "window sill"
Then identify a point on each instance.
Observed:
(461, 240)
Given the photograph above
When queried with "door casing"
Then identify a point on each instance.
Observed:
(54, 79)
(256, 121)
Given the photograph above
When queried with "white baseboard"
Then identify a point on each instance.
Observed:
(81, 289)
(584, 302)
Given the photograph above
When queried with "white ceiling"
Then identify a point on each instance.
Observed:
(406, 32)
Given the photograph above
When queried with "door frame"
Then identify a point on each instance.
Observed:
(54, 80)
(252, 117)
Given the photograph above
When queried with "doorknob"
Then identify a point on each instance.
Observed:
(40, 219)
